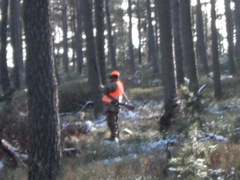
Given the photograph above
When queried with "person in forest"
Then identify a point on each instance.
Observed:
(112, 96)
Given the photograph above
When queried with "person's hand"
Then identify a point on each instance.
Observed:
(101, 87)
(115, 102)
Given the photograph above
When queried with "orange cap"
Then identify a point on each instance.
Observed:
(115, 73)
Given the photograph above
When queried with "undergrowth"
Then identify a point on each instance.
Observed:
(191, 157)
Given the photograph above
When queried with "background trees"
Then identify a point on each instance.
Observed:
(100, 36)
(122, 36)
(124, 31)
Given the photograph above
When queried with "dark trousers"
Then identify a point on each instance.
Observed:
(112, 122)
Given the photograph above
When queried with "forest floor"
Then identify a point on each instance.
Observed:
(199, 145)
(186, 151)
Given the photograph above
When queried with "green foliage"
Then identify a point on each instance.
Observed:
(73, 94)
(149, 93)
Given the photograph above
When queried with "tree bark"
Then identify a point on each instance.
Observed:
(44, 124)
(79, 40)
(201, 48)
(139, 32)
(187, 44)
(99, 23)
(65, 38)
(93, 69)
(151, 42)
(237, 24)
(177, 42)
(130, 43)
(111, 47)
(229, 27)
(167, 62)
(16, 41)
(5, 80)
(215, 57)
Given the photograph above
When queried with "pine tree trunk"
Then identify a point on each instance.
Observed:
(215, 57)
(167, 62)
(151, 42)
(99, 23)
(79, 40)
(44, 124)
(229, 24)
(237, 24)
(5, 81)
(201, 48)
(65, 38)
(16, 41)
(93, 69)
(111, 47)
(187, 45)
(139, 33)
(130, 43)
(177, 42)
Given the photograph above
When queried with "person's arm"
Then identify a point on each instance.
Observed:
(109, 88)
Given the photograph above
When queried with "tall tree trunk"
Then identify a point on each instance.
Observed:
(111, 47)
(93, 72)
(5, 81)
(139, 33)
(65, 38)
(187, 44)
(215, 58)
(44, 124)
(78, 39)
(130, 43)
(167, 62)
(151, 42)
(72, 28)
(99, 23)
(201, 48)
(237, 24)
(229, 24)
(16, 41)
(177, 42)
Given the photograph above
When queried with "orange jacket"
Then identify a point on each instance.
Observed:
(117, 94)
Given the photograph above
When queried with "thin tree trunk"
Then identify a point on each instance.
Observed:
(229, 24)
(111, 49)
(215, 57)
(72, 27)
(99, 23)
(130, 43)
(187, 44)
(16, 41)
(177, 42)
(93, 70)
(151, 42)
(139, 33)
(79, 40)
(65, 38)
(237, 24)
(5, 81)
(201, 48)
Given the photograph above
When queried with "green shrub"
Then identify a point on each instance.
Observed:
(73, 94)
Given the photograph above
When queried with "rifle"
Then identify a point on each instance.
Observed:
(128, 106)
